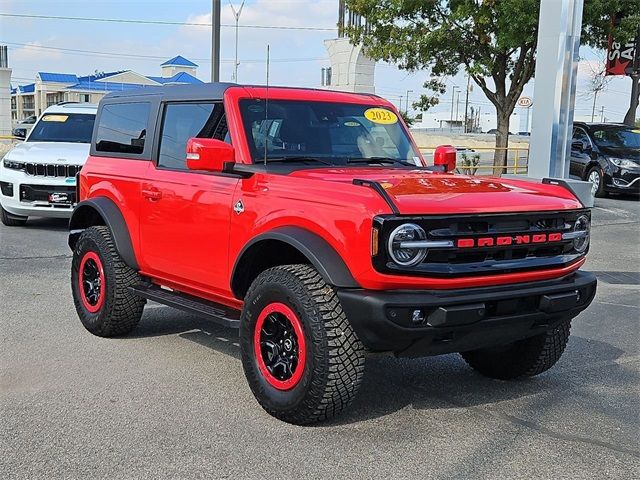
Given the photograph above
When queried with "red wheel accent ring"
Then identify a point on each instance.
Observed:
(91, 283)
(279, 346)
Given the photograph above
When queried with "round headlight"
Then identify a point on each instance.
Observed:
(401, 249)
(582, 227)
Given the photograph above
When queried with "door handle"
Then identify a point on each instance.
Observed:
(152, 194)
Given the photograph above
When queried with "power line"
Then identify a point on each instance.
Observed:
(75, 51)
(163, 22)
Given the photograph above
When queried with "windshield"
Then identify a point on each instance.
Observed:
(327, 133)
(63, 127)
(617, 137)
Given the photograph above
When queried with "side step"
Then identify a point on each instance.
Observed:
(220, 314)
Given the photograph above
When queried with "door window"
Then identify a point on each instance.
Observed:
(183, 121)
(579, 135)
(122, 128)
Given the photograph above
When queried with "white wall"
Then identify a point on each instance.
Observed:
(5, 101)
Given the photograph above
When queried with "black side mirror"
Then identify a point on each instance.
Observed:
(20, 133)
(578, 146)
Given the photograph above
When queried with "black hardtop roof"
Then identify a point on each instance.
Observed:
(177, 92)
(196, 92)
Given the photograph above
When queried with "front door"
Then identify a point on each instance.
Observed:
(184, 228)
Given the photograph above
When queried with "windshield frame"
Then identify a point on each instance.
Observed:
(35, 129)
(255, 156)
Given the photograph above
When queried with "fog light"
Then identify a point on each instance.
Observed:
(7, 189)
(417, 316)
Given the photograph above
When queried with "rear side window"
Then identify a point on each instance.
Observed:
(122, 128)
(183, 121)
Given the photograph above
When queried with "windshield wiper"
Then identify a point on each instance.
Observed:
(388, 160)
(297, 158)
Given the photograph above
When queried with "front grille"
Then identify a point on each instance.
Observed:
(50, 170)
(484, 260)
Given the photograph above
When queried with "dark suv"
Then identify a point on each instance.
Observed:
(607, 155)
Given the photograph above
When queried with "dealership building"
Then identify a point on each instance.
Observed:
(50, 88)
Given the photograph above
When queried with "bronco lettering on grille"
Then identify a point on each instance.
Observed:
(508, 240)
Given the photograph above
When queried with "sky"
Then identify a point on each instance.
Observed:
(297, 56)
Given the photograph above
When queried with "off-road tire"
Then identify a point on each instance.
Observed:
(11, 220)
(334, 363)
(524, 358)
(121, 310)
(600, 192)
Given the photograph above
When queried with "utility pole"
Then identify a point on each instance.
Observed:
(453, 102)
(457, 105)
(215, 40)
(406, 105)
(602, 114)
(400, 103)
(593, 108)
(466, 104)
(236, 14)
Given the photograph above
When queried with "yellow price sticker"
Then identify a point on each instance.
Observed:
(381, 116)
(55, 118)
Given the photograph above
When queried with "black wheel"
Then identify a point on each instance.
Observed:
(100, 282)
(11, 220)
(303, 361)
(524, 358)
(597, 182)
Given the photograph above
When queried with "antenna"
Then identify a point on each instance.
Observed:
(266, 108)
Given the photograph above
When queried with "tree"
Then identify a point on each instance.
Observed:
(598, 81)
(493, 41)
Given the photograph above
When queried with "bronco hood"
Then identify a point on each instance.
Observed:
(416, 192)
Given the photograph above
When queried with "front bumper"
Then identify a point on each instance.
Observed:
(622, 181)
(465, 319)
(29, 195)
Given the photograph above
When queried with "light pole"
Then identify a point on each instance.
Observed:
(236, 14)
(466, 104)
(215, 40)
(406, 105)
(453, 102)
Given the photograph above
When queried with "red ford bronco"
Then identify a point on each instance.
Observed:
(310, 221)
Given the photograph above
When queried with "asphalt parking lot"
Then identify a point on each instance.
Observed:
(170, 400)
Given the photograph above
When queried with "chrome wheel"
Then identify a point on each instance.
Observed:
(595, 179)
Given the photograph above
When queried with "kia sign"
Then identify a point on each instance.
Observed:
(525, 102)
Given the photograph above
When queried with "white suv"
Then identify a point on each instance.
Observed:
(38, 176)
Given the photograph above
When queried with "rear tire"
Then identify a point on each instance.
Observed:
(307, 373)
(100, 282)
(11, 220)
(524, 358)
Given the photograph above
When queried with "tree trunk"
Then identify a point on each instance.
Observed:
(630, 117)
(502, 142)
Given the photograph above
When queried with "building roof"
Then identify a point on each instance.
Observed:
(181, 77)
(98, 76)
(178, 61)
(105, 86)
(30, 88)
(58, 77)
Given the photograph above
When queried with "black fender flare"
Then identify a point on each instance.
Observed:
(316, 249)
(103, 211)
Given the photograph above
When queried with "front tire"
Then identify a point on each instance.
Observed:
(524, 358)
(100, 282)
(596, 178)
(303, 361)
(11, 220)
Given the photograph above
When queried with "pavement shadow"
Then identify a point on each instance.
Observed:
(446, 382)
(49, 224)
(433, 383)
